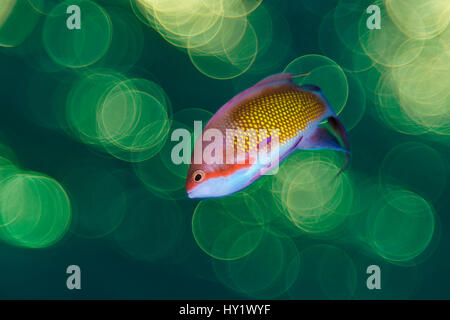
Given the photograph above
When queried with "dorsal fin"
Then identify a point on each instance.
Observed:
(274, 78)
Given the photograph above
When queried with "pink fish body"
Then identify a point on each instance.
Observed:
(275, 115)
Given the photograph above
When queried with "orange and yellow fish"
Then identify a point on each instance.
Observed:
(276, 115)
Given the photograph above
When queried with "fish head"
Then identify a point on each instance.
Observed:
(196, 179)
(210, 177)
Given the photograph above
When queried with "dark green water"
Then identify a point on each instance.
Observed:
(131, 232)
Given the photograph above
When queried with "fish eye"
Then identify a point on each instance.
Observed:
(198, 176)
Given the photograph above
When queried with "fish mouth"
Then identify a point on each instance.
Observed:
(195, 194)
(190, 194)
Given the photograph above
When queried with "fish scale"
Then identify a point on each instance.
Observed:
(289, 111)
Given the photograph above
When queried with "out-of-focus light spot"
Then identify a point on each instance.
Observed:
(35, 210)
(17, 21)
(391, 47)
(77, 48)
(222, 234)
(419, 19)
(267, 272)
(400, 226)
(326, 271)
(221, 41)
(326, 74)
(129, 118)
(316, 200)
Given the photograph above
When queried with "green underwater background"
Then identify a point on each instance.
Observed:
(86, 176)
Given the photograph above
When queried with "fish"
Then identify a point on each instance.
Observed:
(290, 115)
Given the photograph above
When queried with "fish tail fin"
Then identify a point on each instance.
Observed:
(339, 130)
(336, 127)
(322, 138)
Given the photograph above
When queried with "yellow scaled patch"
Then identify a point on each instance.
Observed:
(289, 111)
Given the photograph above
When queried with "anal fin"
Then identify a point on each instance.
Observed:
(321, 138)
